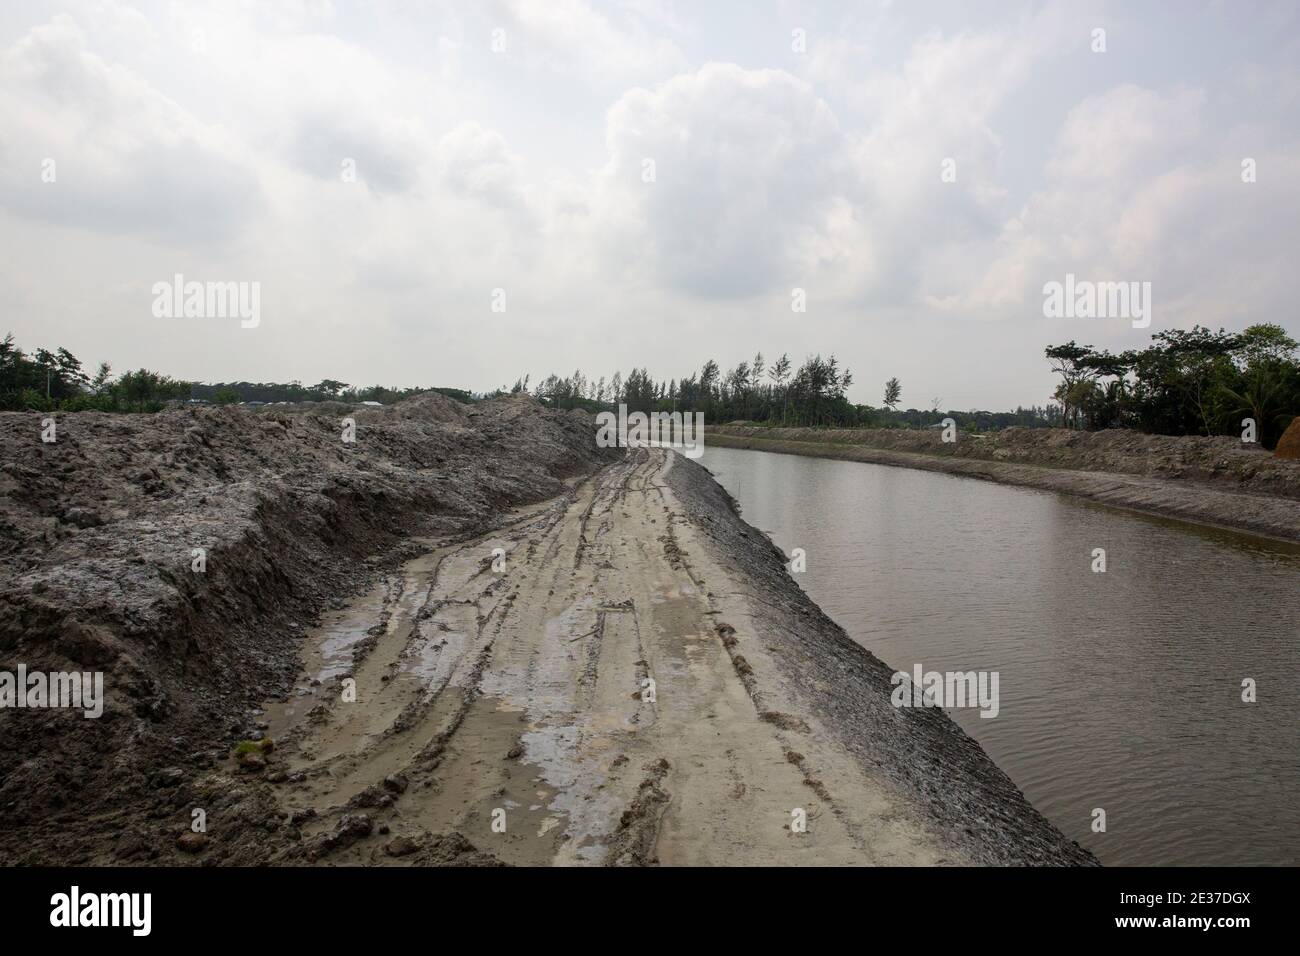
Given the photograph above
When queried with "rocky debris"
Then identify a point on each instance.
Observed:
(192, 842)
(134, 844)
(174, 553)
(634, 841)
(452, 849)
(401, 846)
(250, 760)
(351, 828)
(170, 777)
(373, 796)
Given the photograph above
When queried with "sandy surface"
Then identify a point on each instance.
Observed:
(526, 691)
(1213, 481)
(521, 695)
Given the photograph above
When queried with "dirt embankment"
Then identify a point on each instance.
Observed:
(798, 661)
(468, 638)
(1215, 481)
(98, 538)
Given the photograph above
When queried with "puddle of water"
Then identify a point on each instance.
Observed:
(554, 741)
(327, 653)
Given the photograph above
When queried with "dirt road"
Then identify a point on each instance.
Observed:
(588, 695)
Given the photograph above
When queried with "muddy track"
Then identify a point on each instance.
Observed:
(98, 537)
(578, 701)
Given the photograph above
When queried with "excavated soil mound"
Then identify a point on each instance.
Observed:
(1288, 446)
(102, 534)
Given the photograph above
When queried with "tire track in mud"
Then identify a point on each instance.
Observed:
(583, 704)
(429, 716)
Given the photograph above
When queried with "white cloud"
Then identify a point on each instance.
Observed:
(750, 171)
(1140, 187)
(524, 171)
(572, 36)
(126, 157)
(476, 163)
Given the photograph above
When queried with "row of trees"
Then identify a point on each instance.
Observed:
(50, 381)
(1186, 382)
(812, 394)
(56, 381)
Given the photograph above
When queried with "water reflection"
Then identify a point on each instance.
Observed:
(1119, 690)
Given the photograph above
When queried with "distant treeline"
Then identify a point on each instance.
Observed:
(56, 381)
(1193, 382)
(1184, 383)
(811, 395)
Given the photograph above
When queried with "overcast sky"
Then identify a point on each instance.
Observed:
(210, 140)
